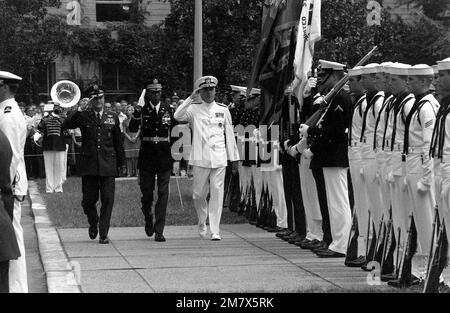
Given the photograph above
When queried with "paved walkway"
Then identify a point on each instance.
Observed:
(246, 260)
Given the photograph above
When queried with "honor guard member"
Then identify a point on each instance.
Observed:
(9, 250)
(440, 146)
(296, 221)
(213, 144)
(355, 158)
(374, 100)
(101, 154)
(402, 105)
(155, 120)
(13, 125)
(308, 186)
(329, 151)
(419, 166)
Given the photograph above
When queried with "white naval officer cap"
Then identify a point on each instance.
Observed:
(329, 65)
(239, 89)
(444, 65)
(371, 68)
(206, 82)
(421, 70)
(7, 76)
(401, 69)
(356, 71)
(435, 69)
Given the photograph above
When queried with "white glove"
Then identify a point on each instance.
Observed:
(310, 84)
(422, 187)
(319, 100)
(292, 151)
(361, 172)
(303, 130)
(390, 177)
(308, 154)
(36, 138)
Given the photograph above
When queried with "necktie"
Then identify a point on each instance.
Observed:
(98, 117)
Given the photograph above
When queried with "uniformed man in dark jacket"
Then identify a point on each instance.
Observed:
(328, 151)
(155, 119)
(9, 249)
(101, 154)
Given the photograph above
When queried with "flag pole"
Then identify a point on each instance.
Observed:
(198, 41)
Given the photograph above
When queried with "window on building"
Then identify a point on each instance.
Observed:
(116, 78)
(113, 10)
(44, 78)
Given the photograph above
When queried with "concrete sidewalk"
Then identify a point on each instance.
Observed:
(246, 260)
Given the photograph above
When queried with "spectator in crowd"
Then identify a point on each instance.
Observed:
(123, 106)
(54, 149)
(31, 163)
(22, 107)
(131, 144)
(108, 107)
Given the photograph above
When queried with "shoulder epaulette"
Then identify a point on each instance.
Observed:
(222, 104)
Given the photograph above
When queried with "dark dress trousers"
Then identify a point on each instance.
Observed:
(101, 153)
(9, 250)
(154, 159)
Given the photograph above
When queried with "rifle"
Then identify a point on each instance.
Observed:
(324, 106)
(433, 236)
(367, 235)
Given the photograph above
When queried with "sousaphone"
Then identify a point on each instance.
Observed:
(66, 93)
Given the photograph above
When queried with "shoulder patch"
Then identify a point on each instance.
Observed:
(7, 109)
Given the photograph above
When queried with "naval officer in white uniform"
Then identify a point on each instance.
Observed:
(212, 145)
(13, 125)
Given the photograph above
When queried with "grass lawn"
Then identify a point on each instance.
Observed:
(65, 209)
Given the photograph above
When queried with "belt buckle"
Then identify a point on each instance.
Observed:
(156, 139)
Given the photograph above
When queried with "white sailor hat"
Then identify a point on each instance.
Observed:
(329, 65)
(356, 71)
(371, 68)
(444, 65)
(383, 67)
(421, 70)
(435, 69)
(7, 76)
(255, 92)
(399, 69)
(206, 81)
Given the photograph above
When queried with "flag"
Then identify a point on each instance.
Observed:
(273, 66)
(308, 34)
(438, 262)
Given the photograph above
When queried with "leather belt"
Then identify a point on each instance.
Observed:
(155, 139)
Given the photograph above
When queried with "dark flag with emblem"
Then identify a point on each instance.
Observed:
(273, 68)
(438, 262)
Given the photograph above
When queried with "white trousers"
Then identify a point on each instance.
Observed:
(361, 203)
(445, 200)
(310, 201)
(209, 180)
(54, 170)
(338, 206)
(401, 207)
(423, 204)
(18, 268)
(64, 174)
(373, 190)
(276, 187)
(257, 180)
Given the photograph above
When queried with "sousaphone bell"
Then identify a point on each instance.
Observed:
(66, 93)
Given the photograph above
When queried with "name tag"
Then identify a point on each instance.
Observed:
(220, 114)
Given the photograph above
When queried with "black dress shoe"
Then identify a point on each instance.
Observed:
(298, 238)
(149, 228)
(329, 254)
(308, 244)
(289, 237)
(398, 284)
(275, 229)
(358, 262)
(320, 246)
(103, 240)
(388, 277)
(159, 237)
(284, 233)
(93, 231)
(302, 242)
